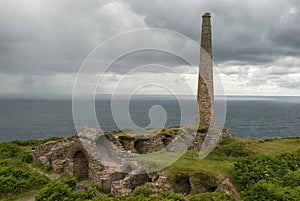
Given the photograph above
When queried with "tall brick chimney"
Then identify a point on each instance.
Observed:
(205, 96)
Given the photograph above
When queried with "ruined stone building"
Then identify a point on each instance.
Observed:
(69, 156)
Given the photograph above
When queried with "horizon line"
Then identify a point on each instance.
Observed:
(141, 94)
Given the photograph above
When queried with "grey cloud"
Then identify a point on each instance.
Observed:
(287, 81)
(243, 30)
(43, 37)
(146, 57)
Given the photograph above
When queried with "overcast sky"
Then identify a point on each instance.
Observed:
(256, 43)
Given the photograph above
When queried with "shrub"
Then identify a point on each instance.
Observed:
(26, 157)
(264, 190)
(57, 190)
(232, 148)
(47, 168)
(269, 178)
(145, 191)
(249, 171)
(19, 179)
(292, 179)
(62, 189)
(8, 150)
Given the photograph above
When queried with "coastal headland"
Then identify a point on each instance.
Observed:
(237, 169)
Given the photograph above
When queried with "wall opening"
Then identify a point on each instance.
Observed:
(80, 166)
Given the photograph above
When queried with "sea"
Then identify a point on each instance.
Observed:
(23, 118)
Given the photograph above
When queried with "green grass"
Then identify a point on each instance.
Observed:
(221, 160)
(273, 147)
(190, 164)
(218, 165)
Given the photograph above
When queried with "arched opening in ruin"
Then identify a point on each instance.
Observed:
(80, 166)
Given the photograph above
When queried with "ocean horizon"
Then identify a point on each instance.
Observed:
(31, 116)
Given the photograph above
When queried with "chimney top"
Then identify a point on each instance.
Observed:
(206, 15)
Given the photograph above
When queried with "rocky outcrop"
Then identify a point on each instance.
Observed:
(160, 183)
(203, 182)
(226, 186)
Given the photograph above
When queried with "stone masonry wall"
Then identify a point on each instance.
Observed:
(205, 95)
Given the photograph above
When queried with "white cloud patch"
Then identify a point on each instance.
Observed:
(271, 79)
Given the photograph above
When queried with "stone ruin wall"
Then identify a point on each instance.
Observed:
(69, 156)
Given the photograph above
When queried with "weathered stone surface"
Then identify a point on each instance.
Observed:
(44, 160)
(59, 165)
(144, 146)
(81, 163)
(128, 145)
(205, 95)
(226, 186)
(82, 187)
(203, 182)
(129, 183)
(220, 135)
(70, 157)
(160, 184)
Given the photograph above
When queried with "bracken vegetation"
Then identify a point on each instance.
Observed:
(269, 178)
(15, 175)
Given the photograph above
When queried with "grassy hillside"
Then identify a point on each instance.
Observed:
(260, 169)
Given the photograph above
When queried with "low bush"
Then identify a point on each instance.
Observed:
(25, 157)
(62, 189)
(269, 178)
(144, 191)
(10, 150)
(57, 190)
(19, 179)
(232, 148)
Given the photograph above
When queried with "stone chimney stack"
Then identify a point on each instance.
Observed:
(205, 96)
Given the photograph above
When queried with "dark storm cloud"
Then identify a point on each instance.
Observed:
(287, 30)
(41, 38)
(44, 37)
(243, 31)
